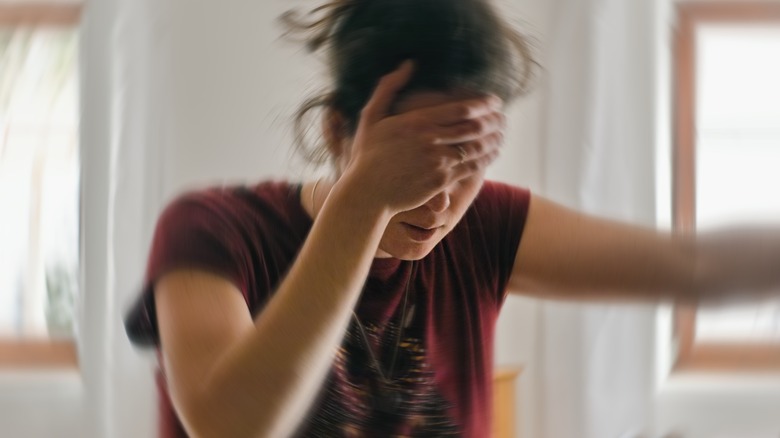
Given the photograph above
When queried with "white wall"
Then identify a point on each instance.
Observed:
(36, 405)
(233, 88)
(520, 163)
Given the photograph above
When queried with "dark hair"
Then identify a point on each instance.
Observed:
(459, 44)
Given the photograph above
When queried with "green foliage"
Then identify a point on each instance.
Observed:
(61, 287)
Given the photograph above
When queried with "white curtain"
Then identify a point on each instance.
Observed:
(596, 361)
(123, 114)
(176, 94)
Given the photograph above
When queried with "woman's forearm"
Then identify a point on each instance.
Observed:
(265, 384)
(737, 262)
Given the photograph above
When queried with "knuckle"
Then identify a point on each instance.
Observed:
(464, 111)
(427, 138)
(488, 141)
(502, 120)
(496, 138)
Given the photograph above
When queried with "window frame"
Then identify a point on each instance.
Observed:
(52, 14)
(692, 355)
(29, 353)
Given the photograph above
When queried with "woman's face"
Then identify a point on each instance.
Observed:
(412, 234)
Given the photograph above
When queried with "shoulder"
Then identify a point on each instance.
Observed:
(497, 215)
(487, 238)
(492, 188)
(500, 198)
(230, 204)
(227, 197)
(207, 226)
(222, 230)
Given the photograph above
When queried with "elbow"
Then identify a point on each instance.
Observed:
(236, 414)
(206, 416)
(202, 419)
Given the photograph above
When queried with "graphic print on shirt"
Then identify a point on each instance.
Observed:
(346, 408)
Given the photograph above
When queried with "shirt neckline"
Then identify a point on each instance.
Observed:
(381, 267)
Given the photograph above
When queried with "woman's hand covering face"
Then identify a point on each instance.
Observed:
(405, 159)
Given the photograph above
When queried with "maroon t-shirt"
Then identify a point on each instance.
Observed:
(443, 353)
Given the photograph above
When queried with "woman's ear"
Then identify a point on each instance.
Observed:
(334, 128)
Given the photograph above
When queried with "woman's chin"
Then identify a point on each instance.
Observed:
(407, 250)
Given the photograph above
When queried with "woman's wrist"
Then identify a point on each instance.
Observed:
(352, 199)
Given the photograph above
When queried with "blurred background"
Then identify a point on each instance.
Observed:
(662, 113)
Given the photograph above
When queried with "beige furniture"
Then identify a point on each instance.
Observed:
(504, 402)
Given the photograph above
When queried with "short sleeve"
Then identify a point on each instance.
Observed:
(504, 210)
(196, 231)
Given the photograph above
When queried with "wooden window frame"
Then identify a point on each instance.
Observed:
(50, 14)
(710, 356)
(37, 354)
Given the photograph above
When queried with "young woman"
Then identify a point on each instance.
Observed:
(365, 305)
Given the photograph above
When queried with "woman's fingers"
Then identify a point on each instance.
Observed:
(459, 111)
(384, 95)
(474, 149)
(423, 149)
(470, 130)
(469, 168)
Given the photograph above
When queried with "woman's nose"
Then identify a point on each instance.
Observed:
(439, 203)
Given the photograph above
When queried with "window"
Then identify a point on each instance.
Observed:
(726, 152)
(39, 183)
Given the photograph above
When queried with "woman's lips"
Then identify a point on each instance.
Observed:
(419, 234)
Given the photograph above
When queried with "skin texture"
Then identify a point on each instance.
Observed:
(568, 255)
